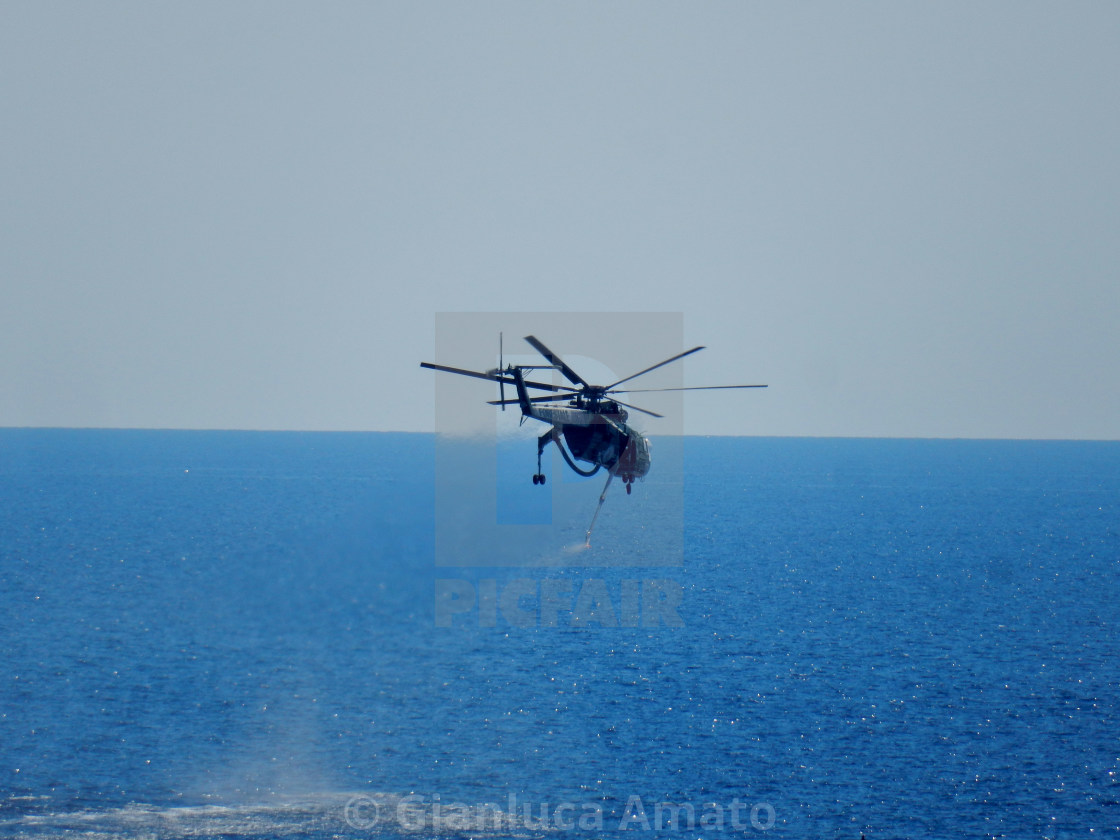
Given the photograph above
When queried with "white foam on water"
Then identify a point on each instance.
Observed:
(321, 815)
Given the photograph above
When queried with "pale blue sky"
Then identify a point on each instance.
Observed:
(904, 217)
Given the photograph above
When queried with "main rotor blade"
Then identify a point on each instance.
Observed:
(494, 377)
(548, 398)
(693, 388)
(654, 367)
(643, 410)
(553, 359)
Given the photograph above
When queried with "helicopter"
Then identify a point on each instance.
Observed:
(593, 421)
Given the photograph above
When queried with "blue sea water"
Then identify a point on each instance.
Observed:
(236, 634)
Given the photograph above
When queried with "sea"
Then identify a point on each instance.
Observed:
(258, 635)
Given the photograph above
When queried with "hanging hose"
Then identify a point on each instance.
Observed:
(602, 498)
(571, 463)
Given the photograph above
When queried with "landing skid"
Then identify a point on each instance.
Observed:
(542, 442)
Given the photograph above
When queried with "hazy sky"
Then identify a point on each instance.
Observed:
(905, 217)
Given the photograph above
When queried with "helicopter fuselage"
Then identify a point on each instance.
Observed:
(624, 455)
(600, 439)
(596, 434)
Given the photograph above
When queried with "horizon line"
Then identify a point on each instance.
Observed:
(900, 437)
